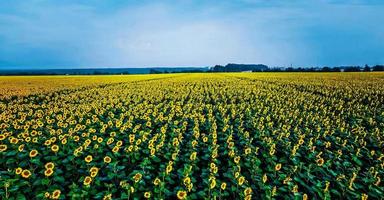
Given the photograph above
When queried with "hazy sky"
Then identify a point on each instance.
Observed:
(142, 33)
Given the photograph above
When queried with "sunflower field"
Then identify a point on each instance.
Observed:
(193, 136)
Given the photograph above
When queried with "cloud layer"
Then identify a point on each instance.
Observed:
(42, 34)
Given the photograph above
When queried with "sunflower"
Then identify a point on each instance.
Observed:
(213, 183)
(181, 194)
(48, 172)
(193, 156)
(33, 153)
(187, 181)
(47, 195)
(55, 148)
(107, 197)
(115, 149)
(223, 186)
(236, 159)
(87, 180)
(107, 159)
(247, 151)
(56, 194)
(88, 159)
(305, 196)
(265, 178)
(320, 161)
(94, 169)
(169, 169)
(156, 181)
(248, 191)
(26, 173)
(21, 147)
(18, 170)
(278, 167)
(3, 147)
(137, 177)
(364, 196)
(147, 195)
(241, 180)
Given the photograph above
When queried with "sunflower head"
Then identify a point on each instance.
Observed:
(88, 159)
(241, 180)
(49, 165)
(107, 159)
(56, 194)
(147, 195)
(33, 153)
(137, 177)
(156, 181)
(18, 170)
(48, 172)
(3, 147)
(181, 194)
(26, 173)
(278, 167)
(248, 191)
(55, 148)
(87, 180)
(223, 186)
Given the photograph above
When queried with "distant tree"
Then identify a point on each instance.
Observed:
(367, 68)
(326, 69)
(336, 69)
(153, 71)
(352, 69)
(377, 68)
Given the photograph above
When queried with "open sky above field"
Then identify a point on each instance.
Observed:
(95, 33)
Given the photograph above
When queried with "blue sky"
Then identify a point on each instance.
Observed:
(39, 34)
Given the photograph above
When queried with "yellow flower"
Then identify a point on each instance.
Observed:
(295, 189)
(49, 165)
(247, 151)
(18, 170)
(187, 181)
(156, 181)
(33, 153)
(147, 195)
(193, 156)
(278, 167)
(137, 177)
(181, 194)
(56, 194)
(107, 197)
(115, 149)
(223, 186)
(265, 178)
(169, 169)
(213, 183)
(3, 147)
(26, 173)
(107, 159)
(320, 161)
(248, 191)
(55, 148)
(47, 195)
(88, 159)
(48, 172)
(236, 159)
(305, 196)
(21, 147)
(241, 180)
(364, 196)
(87, 180)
